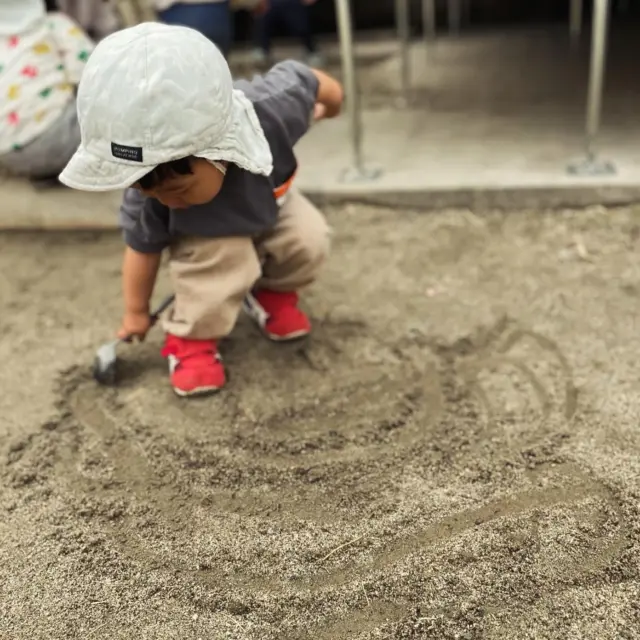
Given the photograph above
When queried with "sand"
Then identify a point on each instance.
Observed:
(454, 453)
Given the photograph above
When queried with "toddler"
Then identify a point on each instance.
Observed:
(208, 166)
(41, 59)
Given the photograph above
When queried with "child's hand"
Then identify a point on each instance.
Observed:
(135, 325)
(330, 96)
(319, 112)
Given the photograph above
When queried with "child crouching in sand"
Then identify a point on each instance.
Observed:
(208, 165)
(42, 57)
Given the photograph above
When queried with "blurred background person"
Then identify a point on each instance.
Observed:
(213, 19)
(97, 17)
(294, 16)
(42, 56)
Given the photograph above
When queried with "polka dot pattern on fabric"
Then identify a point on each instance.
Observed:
(29, 71)
(39, 72)
(41, 48)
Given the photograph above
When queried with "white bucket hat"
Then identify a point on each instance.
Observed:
(155, 93)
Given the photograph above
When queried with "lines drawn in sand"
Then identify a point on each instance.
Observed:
(351, 567)
(493, 348)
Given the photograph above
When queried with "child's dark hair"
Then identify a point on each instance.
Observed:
(164, 171)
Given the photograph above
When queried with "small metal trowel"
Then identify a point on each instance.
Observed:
(105, 364)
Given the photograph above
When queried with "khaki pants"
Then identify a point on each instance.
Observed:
(211, 276)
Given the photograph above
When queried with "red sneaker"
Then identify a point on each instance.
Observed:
(195, 366)
(277, 314)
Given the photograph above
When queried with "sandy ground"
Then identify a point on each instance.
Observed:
(454, 454)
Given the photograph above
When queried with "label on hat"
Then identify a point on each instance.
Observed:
(126, 153)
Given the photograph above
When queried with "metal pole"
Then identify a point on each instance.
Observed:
(429, 19)
(596, 79)
(345, 31)
(575, 20)
(593, 166)
(403, 26)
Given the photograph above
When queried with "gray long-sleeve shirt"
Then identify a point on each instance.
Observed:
(284, 99)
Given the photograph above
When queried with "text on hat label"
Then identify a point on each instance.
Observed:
(126, 153)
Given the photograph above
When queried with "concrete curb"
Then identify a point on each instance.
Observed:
(483, 199)
(23, 208)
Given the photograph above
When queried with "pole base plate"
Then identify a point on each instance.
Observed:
(355, 175)
(591, 167)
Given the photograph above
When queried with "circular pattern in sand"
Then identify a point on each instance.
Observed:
(363, 433)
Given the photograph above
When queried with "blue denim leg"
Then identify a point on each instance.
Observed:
(293, 15)
(212, 19)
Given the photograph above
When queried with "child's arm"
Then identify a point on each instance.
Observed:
(145, 225)
(74, 45)
(298, 95)
(330, 95)
(139, 272)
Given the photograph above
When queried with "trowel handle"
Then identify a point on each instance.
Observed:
(166, 303)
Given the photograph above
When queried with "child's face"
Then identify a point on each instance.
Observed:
(199, 187)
